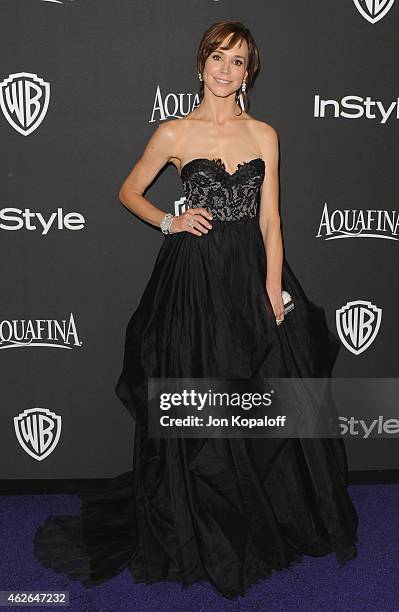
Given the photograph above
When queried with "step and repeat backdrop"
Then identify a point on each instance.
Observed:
(83, 85)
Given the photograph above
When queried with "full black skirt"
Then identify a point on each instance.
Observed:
(224, 510)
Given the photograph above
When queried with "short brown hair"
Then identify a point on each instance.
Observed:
(213, 38)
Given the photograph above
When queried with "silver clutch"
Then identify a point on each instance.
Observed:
(287, 301)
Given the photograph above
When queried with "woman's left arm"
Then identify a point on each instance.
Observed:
(269, 218)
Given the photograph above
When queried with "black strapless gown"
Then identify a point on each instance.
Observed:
(223, 510)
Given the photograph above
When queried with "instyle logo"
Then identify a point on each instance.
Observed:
(381, 427)
(24, 100)
(358, 323)
(172, 105)
(373, 10)
(355, 107)
(26, 333)
(38, 431)
(358, 224)
(14, 219)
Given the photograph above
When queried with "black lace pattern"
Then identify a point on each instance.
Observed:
(228, 197)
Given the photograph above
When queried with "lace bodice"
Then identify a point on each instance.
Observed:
(228, 197)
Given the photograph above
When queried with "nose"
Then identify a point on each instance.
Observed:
(225, 67)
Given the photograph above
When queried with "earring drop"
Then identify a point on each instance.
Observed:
(244, 86)
(200, 76)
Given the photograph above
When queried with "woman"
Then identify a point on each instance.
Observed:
(218, 509)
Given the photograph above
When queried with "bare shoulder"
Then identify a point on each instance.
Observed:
(178, 133)
(264, 131)
(167, 132)
(164, 142)
(266, 137)
(174, 133)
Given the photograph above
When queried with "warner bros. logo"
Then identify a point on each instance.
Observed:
(24, 100)
(38, 431)
(373, 10)
(358, 323)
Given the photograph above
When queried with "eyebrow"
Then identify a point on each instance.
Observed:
(219, 51)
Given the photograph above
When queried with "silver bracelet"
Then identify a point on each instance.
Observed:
(166, 222)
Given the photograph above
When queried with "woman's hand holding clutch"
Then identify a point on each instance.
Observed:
(277, 303)
(281, 302)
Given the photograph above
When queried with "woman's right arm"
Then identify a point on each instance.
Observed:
(155, 156)
(160, 148)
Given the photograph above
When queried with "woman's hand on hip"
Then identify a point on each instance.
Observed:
(195, 221)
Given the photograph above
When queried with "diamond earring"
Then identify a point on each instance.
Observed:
(244, 86)
(200, 76)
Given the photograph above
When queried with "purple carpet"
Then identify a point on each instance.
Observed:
(370, 582)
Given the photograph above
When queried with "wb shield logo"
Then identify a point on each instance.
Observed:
(24, 100)
(38, 431)
(358, 324)
(373, 10)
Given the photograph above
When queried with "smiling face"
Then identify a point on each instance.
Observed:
(225, 69)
